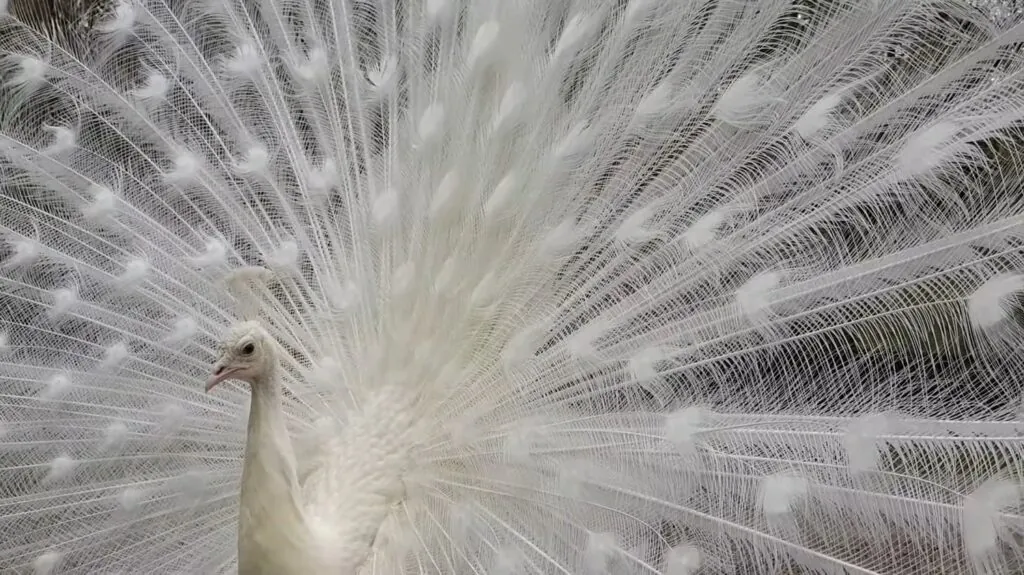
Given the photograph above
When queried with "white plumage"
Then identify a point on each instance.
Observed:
(525, 286)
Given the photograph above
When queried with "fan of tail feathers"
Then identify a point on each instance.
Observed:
(679, 287)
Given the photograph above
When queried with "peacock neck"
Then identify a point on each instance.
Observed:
(268, 439)
(272, 531)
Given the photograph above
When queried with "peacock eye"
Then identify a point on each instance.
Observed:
(248, 349)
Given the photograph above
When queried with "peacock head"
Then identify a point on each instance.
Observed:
(246, 354)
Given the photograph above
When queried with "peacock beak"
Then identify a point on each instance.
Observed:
(221, 372)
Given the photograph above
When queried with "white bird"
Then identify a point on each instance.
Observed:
(560, 287)
(288, 527)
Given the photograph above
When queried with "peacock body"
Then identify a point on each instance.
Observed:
(532, 286)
